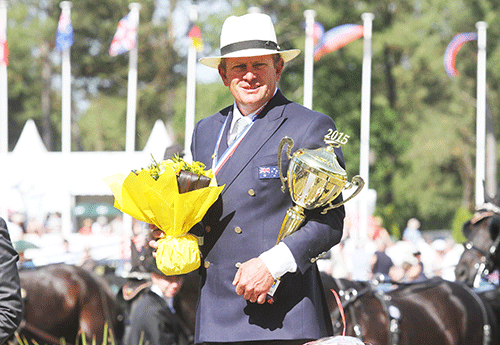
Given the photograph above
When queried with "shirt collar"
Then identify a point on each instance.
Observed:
(237, 114)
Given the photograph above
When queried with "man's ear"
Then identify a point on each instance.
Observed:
(279, 69)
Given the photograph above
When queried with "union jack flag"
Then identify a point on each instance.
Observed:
(125, 36)
(64, 36)
(268, 172)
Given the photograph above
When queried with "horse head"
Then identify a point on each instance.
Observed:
(481, 253)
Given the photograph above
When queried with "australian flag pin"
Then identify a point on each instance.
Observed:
(266, 172)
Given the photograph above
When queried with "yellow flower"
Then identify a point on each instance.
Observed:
(177, 164)
(152, 195)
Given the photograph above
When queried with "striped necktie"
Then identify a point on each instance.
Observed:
(239, 126)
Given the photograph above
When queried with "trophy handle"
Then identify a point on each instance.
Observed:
(289, 141)
(356, 181)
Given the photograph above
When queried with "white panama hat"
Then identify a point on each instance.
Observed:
(248, 35)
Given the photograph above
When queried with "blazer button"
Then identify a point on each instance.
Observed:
(208, 228)
(251, 192)
(237, 230)
(206, 264)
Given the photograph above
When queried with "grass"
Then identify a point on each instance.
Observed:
(107, 336)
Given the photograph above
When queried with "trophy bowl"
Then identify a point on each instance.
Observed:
(315, 179)
(311, 182)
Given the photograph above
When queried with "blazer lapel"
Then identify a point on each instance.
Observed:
(266, 124)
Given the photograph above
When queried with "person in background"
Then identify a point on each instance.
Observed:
(381, 263)
(86, 228)
(241, 259)
(11, 305)
(415, 273)
(412, 231)
(87, 262)
(153, 317)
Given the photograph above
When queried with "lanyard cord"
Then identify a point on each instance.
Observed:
(218, 163)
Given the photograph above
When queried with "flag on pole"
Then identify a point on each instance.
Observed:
(318, 31)
(4, 52)
(64, 36)
(452, 50)
(195, 35)
(336, 38)
(125, 36)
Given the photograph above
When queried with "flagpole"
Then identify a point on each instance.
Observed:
(66, 88)
(308, 58)
(66, 223)
(132, 83)
(364, 156)
(190, 91)
(131, 103)
(481, 112)
(4, 119)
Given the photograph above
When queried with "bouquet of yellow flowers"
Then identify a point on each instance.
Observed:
(173, 195)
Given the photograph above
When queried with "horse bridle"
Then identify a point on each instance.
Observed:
(350, 295)
(486, 263)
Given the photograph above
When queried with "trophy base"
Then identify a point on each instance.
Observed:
(292, 221)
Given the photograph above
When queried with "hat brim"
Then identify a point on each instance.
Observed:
(286, 55)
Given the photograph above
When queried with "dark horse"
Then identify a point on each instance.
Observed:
(481, 255)
(65, 301)
(432, 312)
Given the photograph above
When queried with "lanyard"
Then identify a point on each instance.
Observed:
(218, 163)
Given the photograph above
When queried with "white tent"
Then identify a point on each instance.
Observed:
(158, 141)
(30, 140)
(40, 181)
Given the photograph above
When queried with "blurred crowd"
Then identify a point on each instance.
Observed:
(97, 240)
(377, 255)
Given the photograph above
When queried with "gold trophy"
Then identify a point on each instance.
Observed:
(315, 178)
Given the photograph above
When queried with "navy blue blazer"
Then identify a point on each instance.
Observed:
(245, 221)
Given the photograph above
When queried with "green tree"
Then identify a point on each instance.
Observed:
(422, 130)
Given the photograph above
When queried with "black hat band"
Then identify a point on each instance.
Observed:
(253, 44)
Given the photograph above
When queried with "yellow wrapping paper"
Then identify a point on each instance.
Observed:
(159, 202)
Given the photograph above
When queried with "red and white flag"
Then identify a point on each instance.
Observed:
(4, 53)
(125, 37)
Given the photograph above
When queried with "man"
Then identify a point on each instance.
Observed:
(153, 315)
(241, 258)
(11, 307)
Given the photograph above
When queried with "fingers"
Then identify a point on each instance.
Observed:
(155, 235)
(262, 298)
(253, 280)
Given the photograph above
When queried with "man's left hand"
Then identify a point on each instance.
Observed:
(253, 280)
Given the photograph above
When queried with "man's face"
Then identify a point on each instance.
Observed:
(251, 80)
(169, 285)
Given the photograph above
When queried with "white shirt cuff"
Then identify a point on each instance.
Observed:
(279, 260)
